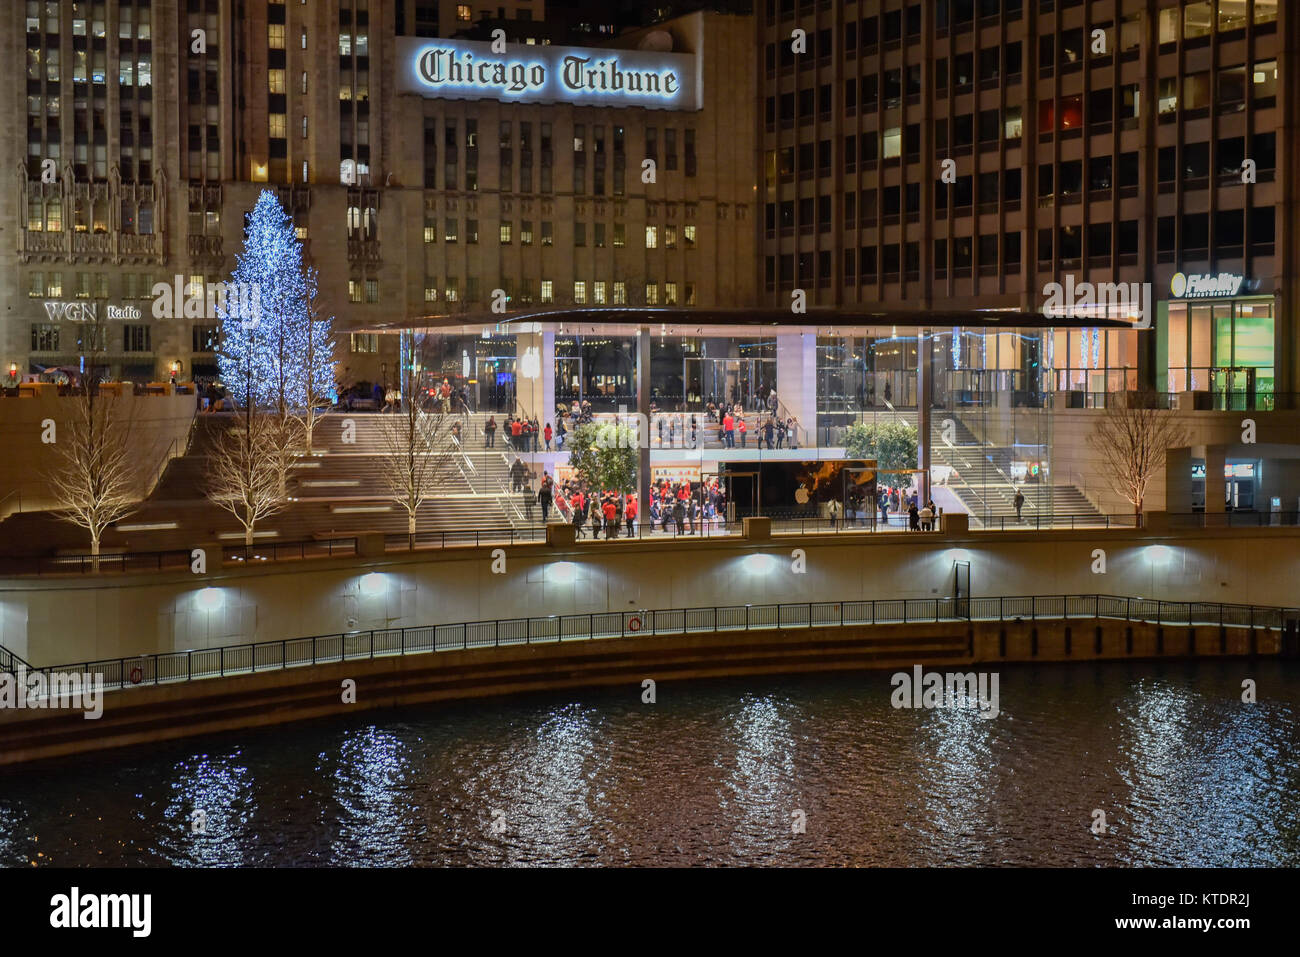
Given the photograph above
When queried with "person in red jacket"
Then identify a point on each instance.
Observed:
(742, 432)
(546, 434)
(629, 515)
(728, 431)
(611, 517)
(516, 430)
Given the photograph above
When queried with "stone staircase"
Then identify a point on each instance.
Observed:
(983, 478)
(336, 491)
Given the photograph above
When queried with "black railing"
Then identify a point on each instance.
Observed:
(784, 522)
(1038, 520)
(327, 649)
(173, 560)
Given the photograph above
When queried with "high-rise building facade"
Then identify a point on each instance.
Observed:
(146, 129)
(971, 153)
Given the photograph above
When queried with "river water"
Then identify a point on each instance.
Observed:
(717, 773)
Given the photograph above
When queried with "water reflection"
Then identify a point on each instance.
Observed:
(370, 785)
(1186, 773)
(760, 793)
(209, 807)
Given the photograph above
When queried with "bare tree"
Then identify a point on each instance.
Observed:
(419, 448)
(1132, 437)
(247, 470)
(319, 346)
(95, 479)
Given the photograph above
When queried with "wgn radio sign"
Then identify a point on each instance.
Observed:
(587, 76)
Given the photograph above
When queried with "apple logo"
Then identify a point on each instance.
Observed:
(801, 496)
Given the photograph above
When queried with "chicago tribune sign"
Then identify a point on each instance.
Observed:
(590, 76)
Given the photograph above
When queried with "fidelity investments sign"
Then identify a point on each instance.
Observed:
(584, 76)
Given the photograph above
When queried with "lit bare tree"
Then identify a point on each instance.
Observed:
(319, 353)
(1132, 437)
(419, 448)
(95, 480)
(247, 470)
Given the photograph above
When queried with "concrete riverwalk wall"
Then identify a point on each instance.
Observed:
(150, 714)
(61, 620)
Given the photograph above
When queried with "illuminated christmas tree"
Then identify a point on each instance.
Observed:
(268, 331)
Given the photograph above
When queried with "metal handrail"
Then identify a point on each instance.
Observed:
(249, 658)
(170, 559)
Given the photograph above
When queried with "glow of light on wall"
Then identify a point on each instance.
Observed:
(1159, 554)
(208, 599)
(759, 564)
(561, 573)
(372, 584)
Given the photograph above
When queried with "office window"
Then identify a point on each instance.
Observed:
(449, 231)
(365, 342)
(620, 293)
(598, 293)
(275, 36)
(580, 293)
(136, 338)
(620, 237)
(45, 337)
(464, 12)
(651, 237)
(548, 290)
(688, 235)
(598, 240)
(430, 293)
(548, 234)
(505, 234)
(471, 230)
(452, 292)
(651, 294)
(670, 237)
(526, 232)
(204, 338)
(670, 294)
(354, 290)
(893, 143)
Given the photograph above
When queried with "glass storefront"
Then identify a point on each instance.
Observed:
(596, 369)
(1224, 348)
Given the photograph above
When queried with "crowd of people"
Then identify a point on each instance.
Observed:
(687, 508)
(520, 434)
(904, 502)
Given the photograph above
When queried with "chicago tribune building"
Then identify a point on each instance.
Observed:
(423, 169)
